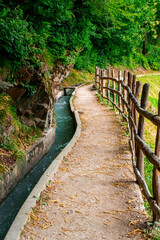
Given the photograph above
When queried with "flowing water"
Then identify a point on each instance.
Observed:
(64, 132)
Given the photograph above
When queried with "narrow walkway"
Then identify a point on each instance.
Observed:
(93, 195)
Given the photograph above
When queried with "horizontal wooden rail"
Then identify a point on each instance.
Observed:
(155, 119)
(148, 152)
(142, 145)
(143, 184)
(127, 103)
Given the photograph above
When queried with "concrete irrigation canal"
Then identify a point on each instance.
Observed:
(65, 129)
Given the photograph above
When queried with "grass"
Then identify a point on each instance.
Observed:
(154, 81)
(150, 129)
(78, 77)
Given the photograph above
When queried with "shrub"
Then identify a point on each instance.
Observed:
(89, 59)
(141, 60)
(18, 40)
(153, 57)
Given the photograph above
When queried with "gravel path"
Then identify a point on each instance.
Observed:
(93, 195)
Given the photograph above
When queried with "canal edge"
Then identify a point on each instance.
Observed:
(22, 216)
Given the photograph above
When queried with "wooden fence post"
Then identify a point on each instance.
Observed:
(137, 95)
(103, 83)
(130, 77)
(124, 92)
(95, 84)
(119, 88)
(133, 110)
(113, 84)
(134, 92)
(156, 172)
(134, 85)
(108, 84)
(98, 78)
(140, 156)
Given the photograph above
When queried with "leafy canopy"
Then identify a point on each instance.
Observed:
(84, 32)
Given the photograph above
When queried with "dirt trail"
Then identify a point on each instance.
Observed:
(93, 195)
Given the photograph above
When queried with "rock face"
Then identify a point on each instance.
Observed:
(37, 110)
(34, 94)
(58, 74)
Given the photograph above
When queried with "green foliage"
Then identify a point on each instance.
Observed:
(89, 59)
(153, 57)
(18, 40)
(141, 60)
(87, 33)
(31, 89)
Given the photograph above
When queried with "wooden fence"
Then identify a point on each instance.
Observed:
(124, 93)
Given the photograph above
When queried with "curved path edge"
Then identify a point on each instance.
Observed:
(22, 216)
(148, 74)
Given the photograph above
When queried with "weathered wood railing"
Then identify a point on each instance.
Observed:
(123, 93)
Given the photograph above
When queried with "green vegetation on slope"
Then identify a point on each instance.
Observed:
(19, 137)
(81, 32)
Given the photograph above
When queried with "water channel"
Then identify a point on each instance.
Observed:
(64, 132)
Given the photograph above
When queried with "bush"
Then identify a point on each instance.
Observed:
(153, 57)
(141, 60)
(18, 40)
(89, 59)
